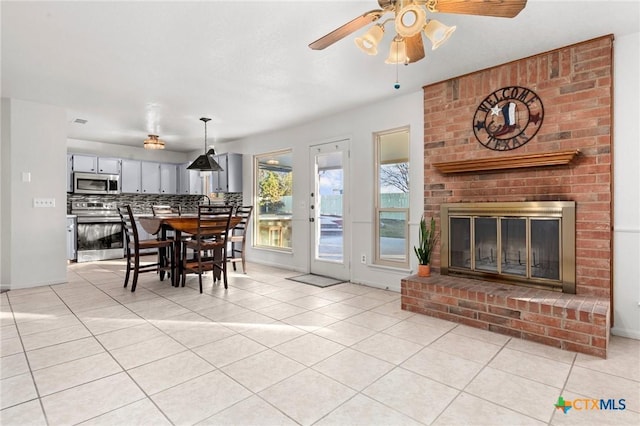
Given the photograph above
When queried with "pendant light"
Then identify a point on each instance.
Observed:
(206, 162)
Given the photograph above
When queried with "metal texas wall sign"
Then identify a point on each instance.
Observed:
(508, 118)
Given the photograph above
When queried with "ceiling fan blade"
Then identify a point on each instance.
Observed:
(498, 8)
(346, 29)
(415, 48)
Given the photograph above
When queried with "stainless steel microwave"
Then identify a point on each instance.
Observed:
(93, 183)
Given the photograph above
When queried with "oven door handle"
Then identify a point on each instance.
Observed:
(98, 219)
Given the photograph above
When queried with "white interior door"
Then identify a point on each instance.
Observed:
(329, 209)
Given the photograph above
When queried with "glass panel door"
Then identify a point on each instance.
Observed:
(327, 213)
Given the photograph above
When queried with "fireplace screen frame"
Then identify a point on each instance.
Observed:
(563, 211)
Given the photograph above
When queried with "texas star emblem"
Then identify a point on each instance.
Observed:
(508, 118)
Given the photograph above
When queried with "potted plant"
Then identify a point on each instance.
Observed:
(427, 239)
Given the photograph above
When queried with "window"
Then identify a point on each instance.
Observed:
(391, 215)
(273, 189)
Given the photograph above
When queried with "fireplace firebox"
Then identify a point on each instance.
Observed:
(522, 243)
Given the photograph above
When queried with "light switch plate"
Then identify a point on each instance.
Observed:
(44, 202)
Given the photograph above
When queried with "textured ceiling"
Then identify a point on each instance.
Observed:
(134, 68)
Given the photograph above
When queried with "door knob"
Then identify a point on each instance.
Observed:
(312, 219)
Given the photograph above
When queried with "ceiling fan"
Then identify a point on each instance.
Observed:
(410, 18)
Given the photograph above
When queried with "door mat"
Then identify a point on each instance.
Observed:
(317, 280)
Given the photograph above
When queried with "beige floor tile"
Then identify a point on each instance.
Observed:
(364, 411)
(142, 412)
(479, 334)
(334, 295)
(257, 301)
(246, 321)
(286, 295)
(507, 389)
(357, 289)
(219, 313)
(90, 400)
(13, 365)
(432, 322)
(373, 320)
(310, 320)
(470, 410)
(141, 353)
(167, 372)
(200, 398)
(54, 337)
(252, 411)
(353, 368)
(104, 320)
(534, 367)
(63, 352)
(192, 329)
(307, 396)
(6, 317)
(274, 333)
(393, 309)
(29, 413)
(414, 332)
(364, 302)
(47, 324)
(464, 347)
(542, 350)
(310, 302)
(420, 398)
(229, 350)
(443, 367)
(388, 348)
(10, 346)
(73, 373)
(8, 332)
(339, 310)
(345, 333)
(27, 315)
(281, 311)
(259, 371)
(128, 336)
(623, 359)
(309, 349)
(595, 384)
(16, 390)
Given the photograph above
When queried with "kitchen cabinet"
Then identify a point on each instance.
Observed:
(229, 179)
(189, 181)
(130, 176)
(150, 179)
(168, 178)
(109, 165)
(85, 163)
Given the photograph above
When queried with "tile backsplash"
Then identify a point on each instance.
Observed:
(141, 203)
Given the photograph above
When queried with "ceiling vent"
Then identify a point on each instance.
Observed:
(80, 121)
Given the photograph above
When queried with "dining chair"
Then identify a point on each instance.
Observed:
(134, 245)
(209, 244)
(238, 237)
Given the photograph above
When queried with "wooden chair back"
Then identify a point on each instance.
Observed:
(129, 225)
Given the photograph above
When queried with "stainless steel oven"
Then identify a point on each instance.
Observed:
(99, 231)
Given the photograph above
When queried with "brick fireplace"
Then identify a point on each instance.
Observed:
(568, 160)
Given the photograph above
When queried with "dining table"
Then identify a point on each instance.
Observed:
(182, 224)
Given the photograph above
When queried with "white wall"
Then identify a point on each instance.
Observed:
(358, 126)
(33, 239)
(626, 158)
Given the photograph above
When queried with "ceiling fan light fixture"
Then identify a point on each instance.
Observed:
(153, 142)
(437, 32)
(397, 52)
(368, 43)
(206, 161)
(410, 20)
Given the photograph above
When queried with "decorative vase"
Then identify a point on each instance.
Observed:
(424, 270)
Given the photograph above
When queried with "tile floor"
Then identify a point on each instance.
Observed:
(276, 352)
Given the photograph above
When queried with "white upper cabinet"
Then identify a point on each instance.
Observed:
(230, 179)
(150, 180)
(189, 181)
(130, 177)
(168, 178)
(85, 163)
(109, 165)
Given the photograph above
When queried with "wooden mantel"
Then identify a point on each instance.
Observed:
(541, 159)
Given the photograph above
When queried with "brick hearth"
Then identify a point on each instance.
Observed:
(567, 321)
